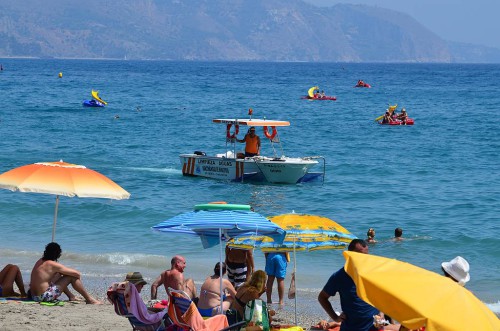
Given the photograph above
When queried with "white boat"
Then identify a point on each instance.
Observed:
(234, 166)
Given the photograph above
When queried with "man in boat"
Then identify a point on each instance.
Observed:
(252, 141)
(387, 118)
(403, 116)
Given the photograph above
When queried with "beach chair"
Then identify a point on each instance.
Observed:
(126, 300)
(184, 314)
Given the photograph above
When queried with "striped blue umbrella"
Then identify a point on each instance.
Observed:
(220, 224)
(215, 223)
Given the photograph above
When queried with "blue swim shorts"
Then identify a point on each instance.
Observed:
(276, 265)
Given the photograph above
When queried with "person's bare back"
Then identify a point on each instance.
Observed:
(44, 272)
(49, 279)
(174, 278)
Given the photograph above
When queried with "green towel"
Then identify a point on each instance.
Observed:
(52, 303)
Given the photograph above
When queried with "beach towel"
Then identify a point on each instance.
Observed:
(134, 303)
(138, 308)
(182, 315)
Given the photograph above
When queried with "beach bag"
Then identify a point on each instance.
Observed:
(256, 316)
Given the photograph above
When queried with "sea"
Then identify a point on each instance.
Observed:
(439, 180)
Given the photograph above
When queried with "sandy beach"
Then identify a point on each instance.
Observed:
(17, 315)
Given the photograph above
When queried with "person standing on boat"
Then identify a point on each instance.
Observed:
(252, 141)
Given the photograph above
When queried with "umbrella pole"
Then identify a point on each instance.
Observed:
(220, 271)
(55, 219)
(294, 272)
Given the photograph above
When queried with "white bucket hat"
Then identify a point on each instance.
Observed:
(458, 268)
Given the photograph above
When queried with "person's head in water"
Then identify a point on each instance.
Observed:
(52, 252)
(398, 233)
(370, 234)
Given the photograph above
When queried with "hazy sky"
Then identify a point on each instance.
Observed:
(470, 21)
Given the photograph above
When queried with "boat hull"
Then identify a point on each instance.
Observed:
(92, 103)
(260, 169)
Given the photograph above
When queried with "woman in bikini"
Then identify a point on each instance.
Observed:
(209, 300)
(249, 291)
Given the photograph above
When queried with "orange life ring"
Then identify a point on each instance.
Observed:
(228, 131)
(272, 135)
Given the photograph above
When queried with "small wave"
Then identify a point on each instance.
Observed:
(119, 259)
(495, 307)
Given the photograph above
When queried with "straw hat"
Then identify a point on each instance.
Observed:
(458, 269)
(135, 278)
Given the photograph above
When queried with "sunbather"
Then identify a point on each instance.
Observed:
(209, 301)
(47, 269)
(174, 278)
(9, 275)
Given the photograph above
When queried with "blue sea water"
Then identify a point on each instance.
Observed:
(439, 180)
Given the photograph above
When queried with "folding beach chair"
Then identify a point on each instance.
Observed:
(119, 295)
(184, 314)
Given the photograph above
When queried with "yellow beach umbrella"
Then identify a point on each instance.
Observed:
(303, 232)
(417, 297)
(61, 178)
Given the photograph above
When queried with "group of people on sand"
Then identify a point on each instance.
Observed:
(242, 285)
(50, 279)
(370, 235)
(394, 116)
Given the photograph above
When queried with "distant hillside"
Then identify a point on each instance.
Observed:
(231, 30)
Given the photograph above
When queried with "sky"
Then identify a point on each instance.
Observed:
(469, 21)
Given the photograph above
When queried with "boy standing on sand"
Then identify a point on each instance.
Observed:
(49, 279)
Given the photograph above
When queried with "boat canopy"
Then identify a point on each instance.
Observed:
(311, 91)
(251, 122)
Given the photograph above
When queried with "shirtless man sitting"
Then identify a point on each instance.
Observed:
(174, 278)
(49, 279)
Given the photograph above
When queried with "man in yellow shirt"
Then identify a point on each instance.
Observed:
(252, 141)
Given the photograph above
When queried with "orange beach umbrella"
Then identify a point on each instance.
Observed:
(61, 178)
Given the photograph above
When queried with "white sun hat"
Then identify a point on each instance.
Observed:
(458, 268)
